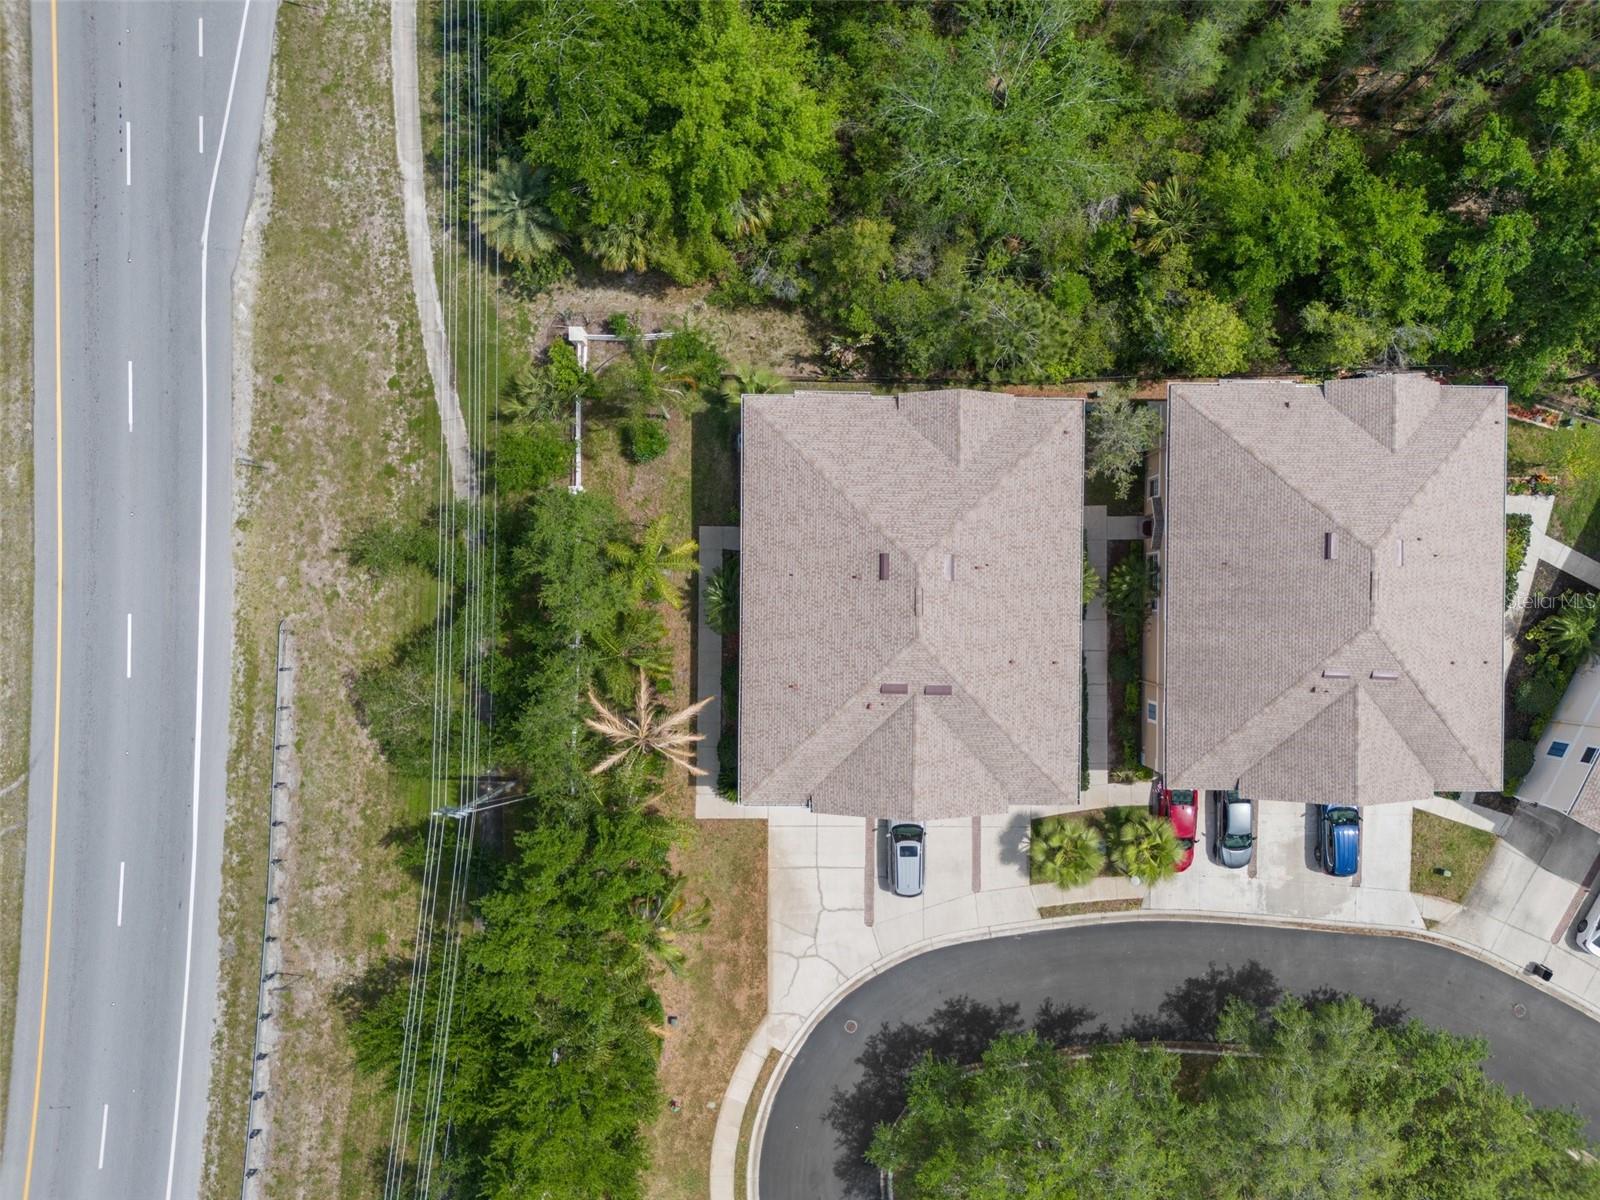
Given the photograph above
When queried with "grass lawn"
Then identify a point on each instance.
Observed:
(1572, 457)
(1460, 849)
(341, 412)
(16, 501)
(1098, 491)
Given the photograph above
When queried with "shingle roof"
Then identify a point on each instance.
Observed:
(976, 502)
(1408, 477)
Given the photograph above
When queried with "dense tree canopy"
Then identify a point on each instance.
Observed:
(1038, 189)
(1317, 1103)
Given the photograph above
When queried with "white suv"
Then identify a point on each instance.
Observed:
(1588, 931)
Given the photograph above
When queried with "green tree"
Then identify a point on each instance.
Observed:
(998, 128)
(1120, 434)
(1207, 337)
(671, 129)
(1065, 851)
(643, 568)
(1030, 1122)
(635, 642)
(509, 207)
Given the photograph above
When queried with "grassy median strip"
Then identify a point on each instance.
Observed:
(747, 1126)
(1440, 845)
(16, 500)
(345, 431)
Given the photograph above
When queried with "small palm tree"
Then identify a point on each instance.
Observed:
(636, 642)
(670, 915)
(1166, 216)
(1144, 846)
(1571, 632)
(1065, 852)
(751, 381)
(722, 598)
(646, 731)
(617, 247)
(508, 205)
(644, 567)
(749, 215)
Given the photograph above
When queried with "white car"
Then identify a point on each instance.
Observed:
(1588, 930)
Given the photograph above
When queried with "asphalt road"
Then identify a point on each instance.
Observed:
(1166, 979)
(159, 122)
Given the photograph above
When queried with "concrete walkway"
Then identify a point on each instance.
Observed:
(419, 246)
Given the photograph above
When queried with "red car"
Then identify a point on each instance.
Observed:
(1179, 807)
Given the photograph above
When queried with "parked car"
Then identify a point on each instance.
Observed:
(1232, 838)
(906, 858)
(1338, 839)
(1588, 934)
(1179, 807)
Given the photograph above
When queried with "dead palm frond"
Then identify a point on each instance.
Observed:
(646, 731)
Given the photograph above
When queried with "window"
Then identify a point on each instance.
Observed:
(1155, 486)
(1150, 712)
(1557, 750)
(1589, 752)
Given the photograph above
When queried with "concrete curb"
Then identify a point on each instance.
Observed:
(736, 1098)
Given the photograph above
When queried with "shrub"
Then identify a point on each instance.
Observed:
(384, 549)
(1065, 851)
(1519, 761)
(1519, 527)
(722, 598)
(1536, 695)
(1124, 668)
(528, 458)
(643, 439)
(1091, 581)
(1127, 594)
(728, 767)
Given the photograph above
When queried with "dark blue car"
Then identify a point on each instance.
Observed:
(1338, 839)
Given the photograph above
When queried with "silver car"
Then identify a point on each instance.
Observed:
(1588, 933)
(906, 858)
(1233, 840)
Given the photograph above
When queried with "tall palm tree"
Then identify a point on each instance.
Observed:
(1144, 846)
(646, 731)
(644, 567)
(1065, 852)
(508, 205)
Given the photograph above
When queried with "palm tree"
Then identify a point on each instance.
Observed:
(636, 642)
(508, 206)
(722, 598)
(1144, 846)
(644, 567)
(751, 381)
(616, 247)
(1571, 632)
(749, 215)
(1166, 216)
(1065, 852)
(646, 731)
(670, 915)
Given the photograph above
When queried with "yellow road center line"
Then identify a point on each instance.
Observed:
(55, 735)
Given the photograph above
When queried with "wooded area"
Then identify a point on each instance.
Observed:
(1040, 189)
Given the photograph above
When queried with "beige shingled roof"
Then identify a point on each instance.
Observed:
(1271, 646)
(976, 502)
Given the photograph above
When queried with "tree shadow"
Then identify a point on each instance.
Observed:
(1189, 1011)
(960, 1031)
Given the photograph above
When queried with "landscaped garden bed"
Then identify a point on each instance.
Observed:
(1071, 849)
(1129, 585)
(1557, 634)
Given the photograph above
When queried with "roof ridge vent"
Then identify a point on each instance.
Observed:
(1386, 676)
